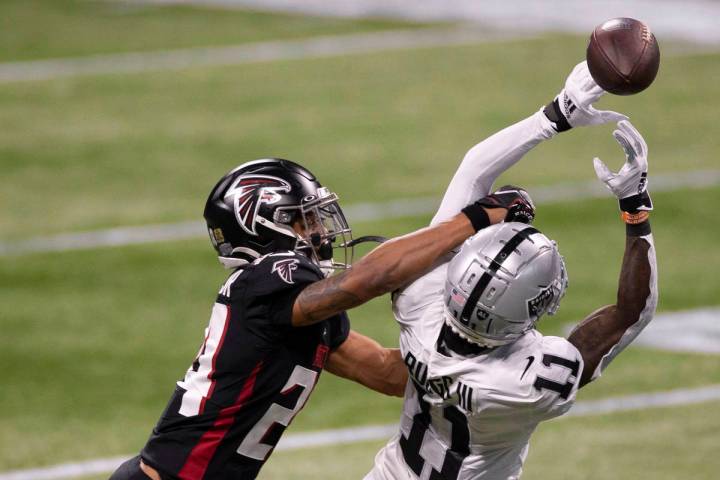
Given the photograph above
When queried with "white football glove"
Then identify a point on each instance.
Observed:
(629, 184)
(573, 105)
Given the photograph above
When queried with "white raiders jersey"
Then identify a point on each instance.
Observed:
(471, 417)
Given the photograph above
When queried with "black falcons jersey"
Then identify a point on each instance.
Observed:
(253, 374)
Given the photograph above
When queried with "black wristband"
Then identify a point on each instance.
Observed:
(638, 229)
(477, 215)
(632, 204)
(554, 114)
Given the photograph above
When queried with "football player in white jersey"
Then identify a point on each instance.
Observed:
(481, 376)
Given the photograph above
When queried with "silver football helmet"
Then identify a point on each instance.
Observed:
(501, 282)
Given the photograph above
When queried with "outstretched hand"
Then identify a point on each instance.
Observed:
(573, 105)
(629, 184)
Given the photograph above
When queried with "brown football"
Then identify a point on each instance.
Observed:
(623, 56)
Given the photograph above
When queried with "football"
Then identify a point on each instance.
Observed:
(623, 56)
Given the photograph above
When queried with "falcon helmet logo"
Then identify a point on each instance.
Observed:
(249, 192)
(284, 269)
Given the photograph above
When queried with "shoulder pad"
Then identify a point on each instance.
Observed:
(280, 270)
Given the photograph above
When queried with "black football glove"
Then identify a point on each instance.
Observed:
(519, 205)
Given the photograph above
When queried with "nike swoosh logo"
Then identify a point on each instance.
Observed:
(530, 360)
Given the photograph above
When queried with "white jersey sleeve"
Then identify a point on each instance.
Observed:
(555, 375)
(484, 162)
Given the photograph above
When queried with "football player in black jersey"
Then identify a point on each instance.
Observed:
(279, 319)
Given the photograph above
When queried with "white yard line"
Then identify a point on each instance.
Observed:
(379, 432)
(689, 331)
(362, 212)
(316, 47)
(694, 331)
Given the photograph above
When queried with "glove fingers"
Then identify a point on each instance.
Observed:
(624, 142)
(637, 139)
(602, 171)
(594, 89)
(580, 69)
(577, 75)
(599, 117)
(610, 116)
(591, 93)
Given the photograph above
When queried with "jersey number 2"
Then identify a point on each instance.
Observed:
(266, 433)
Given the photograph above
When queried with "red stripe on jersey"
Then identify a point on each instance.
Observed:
(321, 355)
(200, 456)
(214, 359)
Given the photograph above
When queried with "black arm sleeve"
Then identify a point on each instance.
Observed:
(339, 330)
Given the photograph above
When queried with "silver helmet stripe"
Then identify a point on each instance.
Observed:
(494, 266)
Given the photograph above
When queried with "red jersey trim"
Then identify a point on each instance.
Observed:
(200, 456)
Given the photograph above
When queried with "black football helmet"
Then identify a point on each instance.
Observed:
(273, 205)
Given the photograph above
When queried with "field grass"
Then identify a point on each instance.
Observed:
(38, 29)
(132, 149)
(93, 341)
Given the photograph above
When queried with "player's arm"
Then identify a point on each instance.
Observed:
(484, 162)
(389, 266)
(363, 360)
(607, 331)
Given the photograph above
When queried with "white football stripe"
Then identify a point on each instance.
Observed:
(316, 47)
(704, 40)
(362, 212)
(380, 432)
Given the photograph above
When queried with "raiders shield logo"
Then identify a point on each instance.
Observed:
(249, 192)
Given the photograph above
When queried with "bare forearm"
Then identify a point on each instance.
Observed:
(637, 282)
(389, 376)
(386, 268)
(403, 259)
(362, 360)
(607, 331)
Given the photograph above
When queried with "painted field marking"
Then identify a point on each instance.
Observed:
(694, 331)
(315, 47)
(362, 212)
(379, 432)
(689, 331)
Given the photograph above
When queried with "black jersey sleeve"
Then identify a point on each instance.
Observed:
(339, 330)
(269, 291)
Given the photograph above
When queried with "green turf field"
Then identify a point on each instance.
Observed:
(129, 149)
(92, 341)
(39, 29)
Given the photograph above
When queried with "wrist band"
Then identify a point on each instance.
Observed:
(637, 229)
(554, 114)
(635, 218)
(477, 215)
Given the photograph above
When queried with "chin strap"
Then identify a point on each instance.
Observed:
(364, 239)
